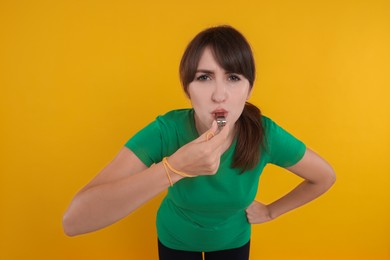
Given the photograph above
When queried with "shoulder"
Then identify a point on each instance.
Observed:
(177, 124)
(268, 124)
(265, 120)
(176, 114)
(164, 123)
(283, 147)
(272, 130)
(174, 118)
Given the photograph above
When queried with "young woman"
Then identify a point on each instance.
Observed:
(211, 170)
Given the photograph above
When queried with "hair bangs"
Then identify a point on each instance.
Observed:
(229, 48)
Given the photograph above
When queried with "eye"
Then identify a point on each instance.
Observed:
(233, 77)
(203, 77)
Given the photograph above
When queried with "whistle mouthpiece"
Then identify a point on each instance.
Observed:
(221, 121)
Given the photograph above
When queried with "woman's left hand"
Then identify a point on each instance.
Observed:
(258, 213)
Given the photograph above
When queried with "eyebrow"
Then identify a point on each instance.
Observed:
(211, 72)
(205, 71)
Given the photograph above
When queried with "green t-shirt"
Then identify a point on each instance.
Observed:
(207, 213)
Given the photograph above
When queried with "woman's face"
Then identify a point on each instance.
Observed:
(216, 90)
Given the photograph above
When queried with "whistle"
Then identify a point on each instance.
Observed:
(221, 120)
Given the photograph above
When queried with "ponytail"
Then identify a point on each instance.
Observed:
(249, 138)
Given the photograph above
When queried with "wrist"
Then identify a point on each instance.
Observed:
(175, 163)
(170, 175)
(175, 177)
(175, 170)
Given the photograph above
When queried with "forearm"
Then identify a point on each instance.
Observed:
(302, 194)
(318, 177)
(104, 204)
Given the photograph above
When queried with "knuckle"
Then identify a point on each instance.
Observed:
(209, 162)
(208, 151)
(204, 152)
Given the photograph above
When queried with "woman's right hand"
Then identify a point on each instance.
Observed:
(202, 156)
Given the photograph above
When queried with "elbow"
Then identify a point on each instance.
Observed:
(326, 180)
(333, 178)
(330, 177)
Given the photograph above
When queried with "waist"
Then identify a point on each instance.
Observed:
(183, 229)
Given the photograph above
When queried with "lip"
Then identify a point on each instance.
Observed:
(219, 111)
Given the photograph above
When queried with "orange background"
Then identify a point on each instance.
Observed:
(78, 78)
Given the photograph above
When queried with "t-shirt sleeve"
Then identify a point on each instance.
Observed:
(146, 144)
(283, 148)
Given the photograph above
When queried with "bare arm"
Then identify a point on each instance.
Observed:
(318, 177)
(120, 188)
(127, 183)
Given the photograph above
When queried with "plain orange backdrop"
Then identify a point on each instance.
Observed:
(78, 78)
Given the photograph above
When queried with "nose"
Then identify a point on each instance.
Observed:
(219, 94)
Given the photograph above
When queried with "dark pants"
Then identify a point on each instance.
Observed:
(241, 253)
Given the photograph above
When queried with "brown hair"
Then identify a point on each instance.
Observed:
(233, 53)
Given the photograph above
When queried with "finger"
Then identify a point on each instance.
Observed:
(214, 128)
(209, 134)
(221, 136)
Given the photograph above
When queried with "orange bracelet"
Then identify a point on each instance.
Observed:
(165, 162)
(168, 175)
(209, 135)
